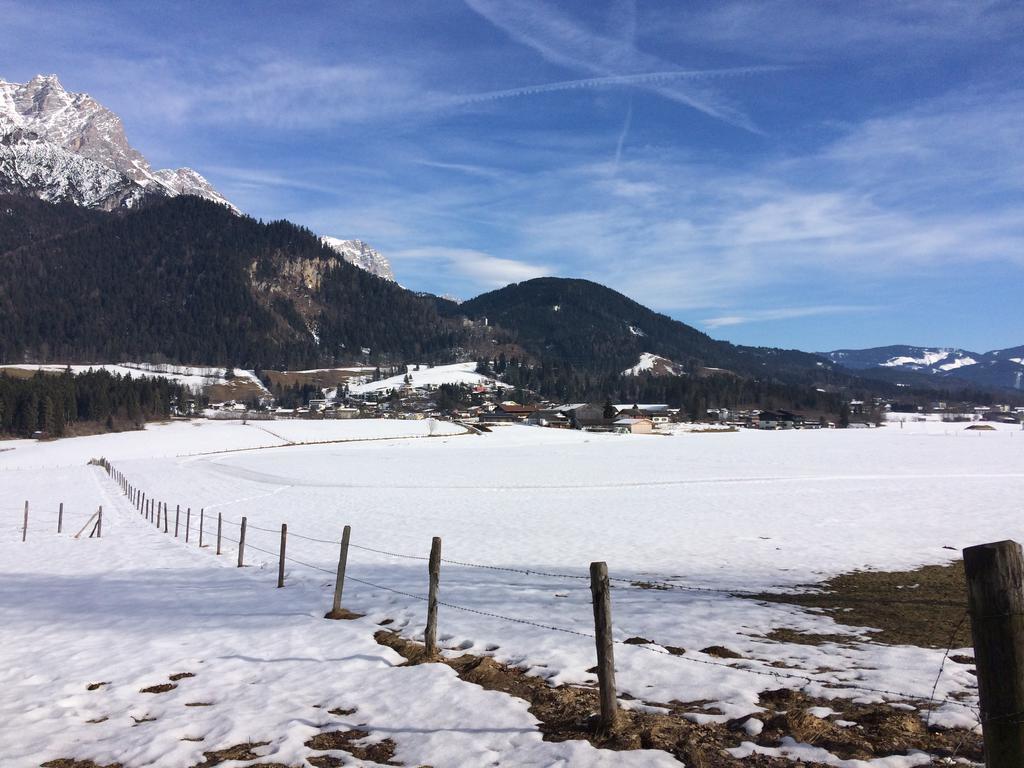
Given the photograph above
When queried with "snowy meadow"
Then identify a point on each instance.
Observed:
(692, 526)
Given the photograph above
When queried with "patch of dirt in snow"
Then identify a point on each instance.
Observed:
(237, 752)
(347, 741)
(162, 688)
(926, 607)
(850, 731)
(786, 635)
(66, 762)
(878, 729)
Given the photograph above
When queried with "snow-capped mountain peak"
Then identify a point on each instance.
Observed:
(63, 146)
(361, 255)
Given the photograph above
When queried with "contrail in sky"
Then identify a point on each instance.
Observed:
(611, 81)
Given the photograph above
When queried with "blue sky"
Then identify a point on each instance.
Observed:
(802, 174)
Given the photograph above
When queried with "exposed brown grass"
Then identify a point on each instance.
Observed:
(378, 752)
(926, 607)
(329, 378)
(568, 712)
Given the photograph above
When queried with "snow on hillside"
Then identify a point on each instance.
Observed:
(196, 378)
(427, 378)
(958, 362)
(653, 364)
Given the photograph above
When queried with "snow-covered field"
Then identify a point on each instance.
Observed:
(737, 511)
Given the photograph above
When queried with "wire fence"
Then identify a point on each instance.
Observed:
(206, 526)
(653, 648)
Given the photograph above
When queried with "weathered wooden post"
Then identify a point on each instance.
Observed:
(166, 528)
(99, 524)
(219, 522)
(158, 505)
(60, 518)
(202, 516)
(601, 592)
(177, 519)
(995, 599)
(24, 525)
(339, 583)
(434, 570)
(280, 560)
(241, 543)
(188, 522)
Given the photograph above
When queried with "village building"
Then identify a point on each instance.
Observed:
(633, 426)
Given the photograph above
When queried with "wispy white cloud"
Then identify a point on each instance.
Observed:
(793, 30)
(744, 317)
(480, 269)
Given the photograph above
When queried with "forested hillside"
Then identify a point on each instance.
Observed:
(186, 280)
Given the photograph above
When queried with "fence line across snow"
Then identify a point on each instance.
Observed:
(598, 579)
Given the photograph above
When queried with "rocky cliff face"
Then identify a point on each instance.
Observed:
(67, 147)
(361, 255)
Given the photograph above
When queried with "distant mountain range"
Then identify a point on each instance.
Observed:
(1001, 368)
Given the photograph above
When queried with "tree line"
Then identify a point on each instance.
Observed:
(54, 404)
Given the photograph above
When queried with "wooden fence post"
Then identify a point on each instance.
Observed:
(202, 517)
(434, 570)
(601, 592)
(24, 525)
(219, 521)
(60, 518)
(99, 524)
(158, 506)
(280, 561)
(241, 542)
(995, 599)
(165, 518)
(339, 582)
(188, 522)
(177, 518)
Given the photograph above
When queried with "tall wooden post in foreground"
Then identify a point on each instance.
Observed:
(219, 522)
(434, 569)
(60, 518)
(24, 525)
(241, 543)
(339, 582)
(995, 598)
(280, 561)
(601, 592)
